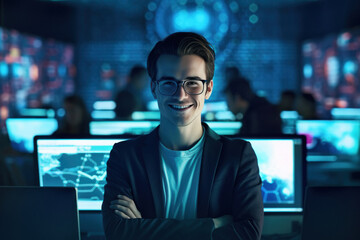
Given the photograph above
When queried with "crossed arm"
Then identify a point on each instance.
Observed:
(125, 208)
(123, 220)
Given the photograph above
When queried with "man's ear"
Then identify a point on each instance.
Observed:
(209, 88)
(153, 86)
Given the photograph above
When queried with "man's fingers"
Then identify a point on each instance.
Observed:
(124, 209)
(129, 205)
(122, 202)
(128, 202)
(121, 214)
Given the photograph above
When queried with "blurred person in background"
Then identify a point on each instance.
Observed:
(306, 106)
(231, 73)
(287, 101)
(77, 118)
(126, 104)
(259, 116)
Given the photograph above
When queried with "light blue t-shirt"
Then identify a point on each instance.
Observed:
(180, 180)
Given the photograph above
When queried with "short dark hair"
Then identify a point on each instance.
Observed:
(180, 44)
(240, 87)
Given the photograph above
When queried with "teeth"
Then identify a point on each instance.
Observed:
(180, 107)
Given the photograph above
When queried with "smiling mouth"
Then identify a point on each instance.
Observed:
(180, 107)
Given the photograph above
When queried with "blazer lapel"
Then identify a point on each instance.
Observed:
(151, 157)
(210, 159)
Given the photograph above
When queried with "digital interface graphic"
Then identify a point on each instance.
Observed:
(276, 164)
(331, 70)
(34, 73)
(79, 163)
(22, 131)
(330, 137)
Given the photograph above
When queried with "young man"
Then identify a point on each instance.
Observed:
(182, 181)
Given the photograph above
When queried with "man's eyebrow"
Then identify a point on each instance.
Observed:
(193, 78)
(173, 78)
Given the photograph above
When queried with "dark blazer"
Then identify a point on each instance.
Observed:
(229, 184)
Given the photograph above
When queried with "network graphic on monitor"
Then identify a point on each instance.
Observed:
(76, 163)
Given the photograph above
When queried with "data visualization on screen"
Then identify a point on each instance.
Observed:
(79, 163)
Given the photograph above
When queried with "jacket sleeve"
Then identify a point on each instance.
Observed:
(247, 208)
(115, 227)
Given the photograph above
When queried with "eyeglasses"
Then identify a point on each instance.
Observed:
(169, 87)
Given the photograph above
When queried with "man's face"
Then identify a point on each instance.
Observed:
(181, 109)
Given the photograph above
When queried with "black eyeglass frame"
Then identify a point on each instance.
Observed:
(183, 85)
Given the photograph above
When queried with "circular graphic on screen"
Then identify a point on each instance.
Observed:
(214, 19)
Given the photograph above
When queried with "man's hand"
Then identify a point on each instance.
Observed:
(125, 207)
(222, 221)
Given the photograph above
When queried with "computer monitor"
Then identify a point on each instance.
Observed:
(122, 127)
(75, 162)
(225, 127)
(289, 119)
(330, 140)
(282, 169)
(345, 113)
(21, 131)
(145, 115)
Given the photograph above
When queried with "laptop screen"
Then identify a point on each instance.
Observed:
(328, 139)
(282, 172)
(21, 131)
(74, 162)
(39, 213)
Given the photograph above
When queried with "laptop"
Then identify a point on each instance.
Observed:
(39, 213)
(331, 213)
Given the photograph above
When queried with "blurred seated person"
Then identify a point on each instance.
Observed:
(259, 116)
(126, 104)
(137, 84)
(306, 106)
(231, 73)
(287, 101)
(77, 118)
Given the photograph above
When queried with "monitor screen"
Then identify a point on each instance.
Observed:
(330, 140)
(225, 127)
(345, 113)
(289, 119)
(21, 131)
(34, 73)
(122, 127)
(144, 127)
(281, 164)
(331, 70)
(81, 163)
(75, 162)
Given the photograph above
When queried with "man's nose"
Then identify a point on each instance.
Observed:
(180, 92)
